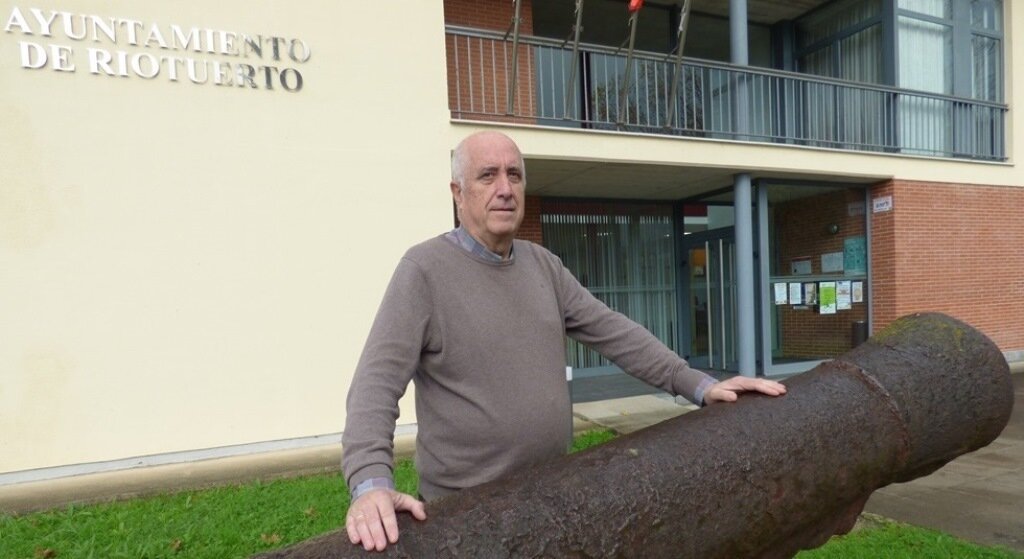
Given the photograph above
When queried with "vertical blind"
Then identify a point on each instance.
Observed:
(621, 253)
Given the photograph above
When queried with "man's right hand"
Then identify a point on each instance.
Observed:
(371, 518)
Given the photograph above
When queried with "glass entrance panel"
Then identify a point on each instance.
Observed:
(711, 298)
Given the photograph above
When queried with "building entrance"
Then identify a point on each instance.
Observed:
(709, 304)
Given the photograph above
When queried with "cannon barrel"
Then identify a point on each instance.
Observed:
(763, 477)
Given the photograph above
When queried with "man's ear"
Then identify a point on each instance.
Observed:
(456, 193)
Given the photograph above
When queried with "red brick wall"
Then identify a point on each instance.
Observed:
(530, 229)
(477, 68)
(956, 249)
(801, 230)
(495, 15)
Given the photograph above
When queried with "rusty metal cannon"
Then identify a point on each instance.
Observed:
(764, 477)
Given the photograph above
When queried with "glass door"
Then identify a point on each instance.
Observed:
(710, 305)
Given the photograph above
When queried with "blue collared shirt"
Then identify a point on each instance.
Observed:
(461, 237)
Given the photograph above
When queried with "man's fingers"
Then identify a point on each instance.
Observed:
(365, 537)
(770, 387)
(374, 521)
(728, 396)
(418, 510)
(408, 503)
(387, 518)
(350, 527)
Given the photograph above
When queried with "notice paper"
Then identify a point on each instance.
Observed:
(780, 294)
(858, 292)
(843, 295)
(810, 294)
(796, 291)
(827, 297)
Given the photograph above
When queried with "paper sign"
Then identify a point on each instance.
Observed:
(827, 297)
(858, 292)
(800, 266)
(855, 255)
(796, 291)
(831, 262)
(810, 294)
(780, 294)
(843, 295)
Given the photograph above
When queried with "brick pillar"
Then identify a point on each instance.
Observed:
(883, 259)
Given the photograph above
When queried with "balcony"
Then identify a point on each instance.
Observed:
(702, 99)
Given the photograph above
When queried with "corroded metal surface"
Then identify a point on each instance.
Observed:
(764, 477)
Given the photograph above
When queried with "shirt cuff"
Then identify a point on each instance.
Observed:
(370, 484)
(698, 394)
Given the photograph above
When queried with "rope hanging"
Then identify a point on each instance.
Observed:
(570, 85)
(634, 12)
(677, 71)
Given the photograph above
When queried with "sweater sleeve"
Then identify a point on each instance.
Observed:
(627, 344)
(389, 360)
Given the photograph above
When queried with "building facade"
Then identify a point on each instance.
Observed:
(200, 206)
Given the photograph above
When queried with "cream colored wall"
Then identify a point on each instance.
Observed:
(189, 266)
(1014, 51)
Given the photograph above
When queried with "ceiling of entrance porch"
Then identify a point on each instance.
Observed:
(613, 180)
(758, 11)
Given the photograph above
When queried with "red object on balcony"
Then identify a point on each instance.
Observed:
(635, 5)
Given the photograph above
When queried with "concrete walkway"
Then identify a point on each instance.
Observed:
(978, 497)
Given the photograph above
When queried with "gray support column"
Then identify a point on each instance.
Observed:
(746, 314)
(738, 51)
(682, 268)
(739, 55)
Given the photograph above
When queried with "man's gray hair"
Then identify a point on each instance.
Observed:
(459, 164)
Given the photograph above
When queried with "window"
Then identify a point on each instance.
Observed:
(986, 49)
(935, 8)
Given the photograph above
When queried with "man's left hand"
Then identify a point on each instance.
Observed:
(729, 389)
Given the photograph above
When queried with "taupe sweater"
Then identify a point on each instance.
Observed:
(483, 342)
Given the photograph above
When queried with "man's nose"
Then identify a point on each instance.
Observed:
(504, 186)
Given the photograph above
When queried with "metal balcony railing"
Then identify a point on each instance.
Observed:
(712, 100)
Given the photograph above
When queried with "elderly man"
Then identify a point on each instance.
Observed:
(476, 320)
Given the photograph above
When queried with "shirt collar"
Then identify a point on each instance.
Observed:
(462, 238)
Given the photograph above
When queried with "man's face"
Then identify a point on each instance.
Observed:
(491, 200)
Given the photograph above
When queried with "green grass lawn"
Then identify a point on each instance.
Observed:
(238, 521)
